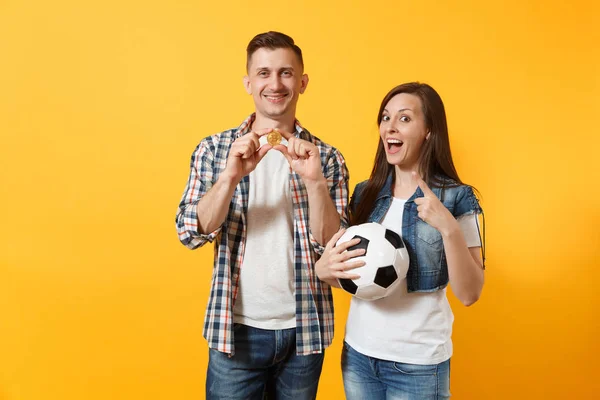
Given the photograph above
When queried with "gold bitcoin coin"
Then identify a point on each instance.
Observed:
(274, 138)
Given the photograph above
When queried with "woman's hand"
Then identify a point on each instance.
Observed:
(334, 263)
(431, 210)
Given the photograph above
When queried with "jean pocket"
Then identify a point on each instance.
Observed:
(429, 234)
(415, 369)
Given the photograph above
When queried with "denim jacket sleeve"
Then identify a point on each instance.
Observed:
(466, 202)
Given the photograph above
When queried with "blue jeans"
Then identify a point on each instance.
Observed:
(374, 379)
(264, 366)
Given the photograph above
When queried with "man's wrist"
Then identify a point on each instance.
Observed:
(315, 184)
(228, 180)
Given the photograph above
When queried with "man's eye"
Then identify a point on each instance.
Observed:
(286, 73)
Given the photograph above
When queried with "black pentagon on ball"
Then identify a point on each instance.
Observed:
(363, 244)
(394, 239)
(348, 285)
(385, 276)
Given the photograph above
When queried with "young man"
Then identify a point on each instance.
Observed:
(270, 208)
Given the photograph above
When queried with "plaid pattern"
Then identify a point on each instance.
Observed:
(314, 302)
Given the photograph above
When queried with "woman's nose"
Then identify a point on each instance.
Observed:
(391, 127)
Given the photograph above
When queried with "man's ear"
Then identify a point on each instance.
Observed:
(304, 83)
(247, 84)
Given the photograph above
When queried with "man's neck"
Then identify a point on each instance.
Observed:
(286, 124)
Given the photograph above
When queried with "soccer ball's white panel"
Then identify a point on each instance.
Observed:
(380, 253)
(371, 292)
(374, 292)
(401, 262)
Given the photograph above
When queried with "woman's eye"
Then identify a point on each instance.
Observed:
(385, 118)
(404, 118)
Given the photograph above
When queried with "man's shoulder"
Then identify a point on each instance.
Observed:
(226, 137)
(217, 140)
(227, 134)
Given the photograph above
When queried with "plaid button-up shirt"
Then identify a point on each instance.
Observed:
(314, 302)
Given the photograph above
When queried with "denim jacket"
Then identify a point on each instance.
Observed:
(428, 268)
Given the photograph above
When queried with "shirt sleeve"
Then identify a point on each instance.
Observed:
(337, 176)
(467, 208)
(199, 183)
(469, 225)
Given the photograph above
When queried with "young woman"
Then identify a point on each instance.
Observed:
(399, 347)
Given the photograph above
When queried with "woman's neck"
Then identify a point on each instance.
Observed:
(405, 183)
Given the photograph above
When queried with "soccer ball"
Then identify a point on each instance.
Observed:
(386, 261)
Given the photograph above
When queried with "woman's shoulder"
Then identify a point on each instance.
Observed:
(465, 199)
(360, 186)
(449, 184)
(460, 194)
(356, 193)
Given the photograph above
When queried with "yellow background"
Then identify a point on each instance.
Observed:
(103, 102)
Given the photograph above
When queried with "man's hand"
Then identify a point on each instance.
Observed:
(303, 156)
(245, 154)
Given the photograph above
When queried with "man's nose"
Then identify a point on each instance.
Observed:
(275, 83)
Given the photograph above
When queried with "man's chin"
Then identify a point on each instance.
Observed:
(275, 113)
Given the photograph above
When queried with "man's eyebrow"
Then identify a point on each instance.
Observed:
(400, 110)
(280, 69)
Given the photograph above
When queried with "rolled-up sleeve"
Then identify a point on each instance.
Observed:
(337, 176)
(199, 183)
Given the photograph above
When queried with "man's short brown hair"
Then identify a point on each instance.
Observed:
(272, 40)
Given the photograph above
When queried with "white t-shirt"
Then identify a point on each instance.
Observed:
(266, 294)
(412, 328)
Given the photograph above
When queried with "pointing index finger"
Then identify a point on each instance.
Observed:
(424, 187)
